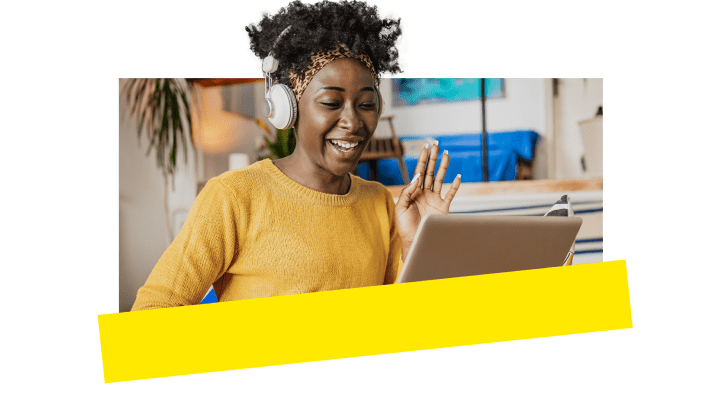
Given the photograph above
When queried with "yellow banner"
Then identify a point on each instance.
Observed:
(365, 321)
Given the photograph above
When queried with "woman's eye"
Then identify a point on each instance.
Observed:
(335, 105)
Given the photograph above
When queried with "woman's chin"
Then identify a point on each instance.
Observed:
(341, 169)
(340, 163)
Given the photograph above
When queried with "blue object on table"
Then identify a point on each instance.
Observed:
(504, 149)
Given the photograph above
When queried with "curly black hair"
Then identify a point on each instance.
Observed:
(323, 26)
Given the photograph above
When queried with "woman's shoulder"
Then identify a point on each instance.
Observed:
(238, 180)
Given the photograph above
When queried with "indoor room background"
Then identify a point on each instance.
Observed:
(559, 119)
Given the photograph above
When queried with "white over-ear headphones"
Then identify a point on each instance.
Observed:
(280, 103)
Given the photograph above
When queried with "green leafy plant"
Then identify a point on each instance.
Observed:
(161, 107)
(284, 145)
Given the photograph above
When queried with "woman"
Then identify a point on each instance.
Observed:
(304, 223)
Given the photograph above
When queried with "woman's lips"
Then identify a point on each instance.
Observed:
(346, 149)
(344, 145)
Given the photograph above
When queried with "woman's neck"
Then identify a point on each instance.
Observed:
(307, 174)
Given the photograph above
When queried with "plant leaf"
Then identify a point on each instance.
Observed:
(128, 90)
(187, 115)
(282, 142)
(141, 91)
(147, 110)
(161, 107)
(178, 123)
(272, 148)
(291, 141)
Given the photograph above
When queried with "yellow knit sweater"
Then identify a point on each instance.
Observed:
(256, 233)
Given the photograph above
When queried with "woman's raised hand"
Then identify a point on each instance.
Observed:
(422, 196)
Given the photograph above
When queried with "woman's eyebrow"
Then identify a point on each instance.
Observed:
(340, 89)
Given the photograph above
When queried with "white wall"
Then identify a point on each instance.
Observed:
(578, 100)
(522, 108)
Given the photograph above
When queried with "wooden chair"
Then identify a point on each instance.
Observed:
(383, 148)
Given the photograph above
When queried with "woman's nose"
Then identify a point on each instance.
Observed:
(350, 119)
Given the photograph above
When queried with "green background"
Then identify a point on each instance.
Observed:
(60, 168)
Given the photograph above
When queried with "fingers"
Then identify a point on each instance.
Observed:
(452, 192)
(443, 166)
(431, 166)
(421, 163)
(408, 191)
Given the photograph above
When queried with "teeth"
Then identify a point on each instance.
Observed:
(344, 144)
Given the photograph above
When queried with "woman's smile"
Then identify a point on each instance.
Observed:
(345, 149)
(344, 146)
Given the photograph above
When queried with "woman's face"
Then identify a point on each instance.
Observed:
(337, 115)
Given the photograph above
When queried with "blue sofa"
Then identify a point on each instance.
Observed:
(504, 149)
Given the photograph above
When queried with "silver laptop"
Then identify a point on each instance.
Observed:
(454, 245)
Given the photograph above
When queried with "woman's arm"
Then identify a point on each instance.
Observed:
(422, 196)
(203, 250)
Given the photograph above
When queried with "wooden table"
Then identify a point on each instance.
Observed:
(518, 186)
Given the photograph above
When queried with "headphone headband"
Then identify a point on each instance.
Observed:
(280, 105)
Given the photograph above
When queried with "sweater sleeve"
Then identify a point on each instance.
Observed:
(203, 250)
(394, 263)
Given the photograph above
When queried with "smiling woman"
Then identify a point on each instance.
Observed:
(337, 117)
(303, 223)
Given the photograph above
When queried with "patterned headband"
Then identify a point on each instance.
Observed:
(318, 61)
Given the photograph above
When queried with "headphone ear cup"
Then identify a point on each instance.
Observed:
(285, 110)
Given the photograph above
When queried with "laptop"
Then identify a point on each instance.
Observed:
(454, 245)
